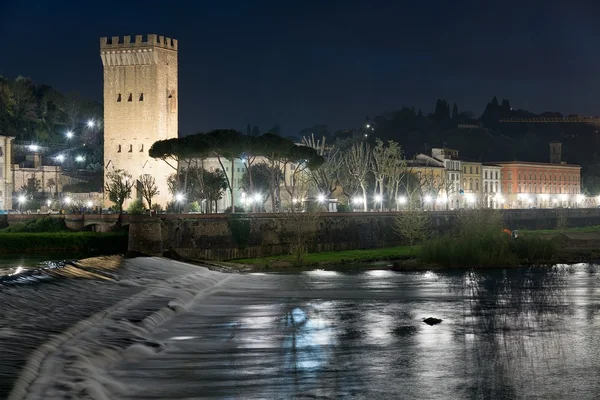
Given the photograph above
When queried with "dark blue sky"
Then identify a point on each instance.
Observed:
(299, 63)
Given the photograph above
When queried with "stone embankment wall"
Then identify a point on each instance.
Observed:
(217, 237)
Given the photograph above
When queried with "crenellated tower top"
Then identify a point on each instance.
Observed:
(122, 42)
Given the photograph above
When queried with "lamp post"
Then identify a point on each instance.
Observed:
(401, 201)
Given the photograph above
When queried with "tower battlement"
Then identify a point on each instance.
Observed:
(124, 42)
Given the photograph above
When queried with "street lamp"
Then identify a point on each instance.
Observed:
(91, 123)
(21, 199)
(67, 200)
(80, 158)
(321, 198)
(34, 147)
(69, 134)
(60, 158)
(179, 198)
(379, 199)
(48, 203)
(90, 204)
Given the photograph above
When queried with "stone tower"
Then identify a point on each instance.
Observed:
(555, 152)
(140, 106)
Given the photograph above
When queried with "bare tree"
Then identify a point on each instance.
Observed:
(386, 162)
(50, 183)
(357, 161)
(325, 177)
(118, 186)
(412, 226)
(148, 188)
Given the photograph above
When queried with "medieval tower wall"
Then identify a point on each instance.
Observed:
(140, 106)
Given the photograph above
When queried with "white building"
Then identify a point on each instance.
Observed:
(6, 182)
(492, 186)
(449, 157)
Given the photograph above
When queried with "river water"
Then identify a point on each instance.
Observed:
(168, 330)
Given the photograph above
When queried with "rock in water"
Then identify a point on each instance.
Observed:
(432, 321)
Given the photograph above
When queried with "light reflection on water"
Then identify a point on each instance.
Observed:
(506, 333)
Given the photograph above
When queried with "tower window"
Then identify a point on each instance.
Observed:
(119, 98)
(130, 97)
(141, 96)
(119, 149)
(131, 148)
(142, 148)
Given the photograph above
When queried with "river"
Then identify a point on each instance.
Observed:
(170, 330)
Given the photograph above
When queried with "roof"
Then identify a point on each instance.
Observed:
(504, 163)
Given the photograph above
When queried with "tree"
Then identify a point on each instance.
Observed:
(412, 226)
(357, 161)
(248, 130)
(385, 160)
(215, 184)
(454, 112)
(118, 186)
(276, 129)
(50, 183)
(262, 182)
(255, 131)
(148, 188)
(31, 189)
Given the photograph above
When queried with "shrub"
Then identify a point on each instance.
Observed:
(45, 224)
(194, 206)
(412, 226)
(480, 241)
(238, 209)
(344, 208)
(136, 208)
(240, 228)
(89, 242)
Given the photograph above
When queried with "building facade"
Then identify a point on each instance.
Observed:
(6, 178)
(472, 184)
(530, 184)
(453, 175)
(140, 105)
(492, 186)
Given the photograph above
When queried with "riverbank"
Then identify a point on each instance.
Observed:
(91, 243)
(573, 245)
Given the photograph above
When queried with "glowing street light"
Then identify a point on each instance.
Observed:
(368, 125)
(428, 199)
(67, 200)
(321, 198)
(80, 158)
(48, 202)
(22, 199)
(179, 197)
(356, 200)
(91, 123)
(60, 158)
(69, 134)
(402, 200)
(257, 197)
(90, 204)
(378, 198)
(34, 147)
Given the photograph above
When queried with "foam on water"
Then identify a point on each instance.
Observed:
(76, 361)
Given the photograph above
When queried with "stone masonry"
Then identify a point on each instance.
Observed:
(140, 106)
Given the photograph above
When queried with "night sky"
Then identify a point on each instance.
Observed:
(300, 63)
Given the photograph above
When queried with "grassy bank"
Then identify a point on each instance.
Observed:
(332, 257)
(61, 242)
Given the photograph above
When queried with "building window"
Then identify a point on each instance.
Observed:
(530, 188)
(509, 175)
(119, 98)
(142, 148)
(486, 176)
(496, 187)
(471, 184)
(131, 148)
(141, 96)
(530, 176)
(485, 186)
(476, 184)
(465, 170)
(1, 172)
(130, 97)
(470, 170)
(477, 170)
(118, 148)
(519, 175)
